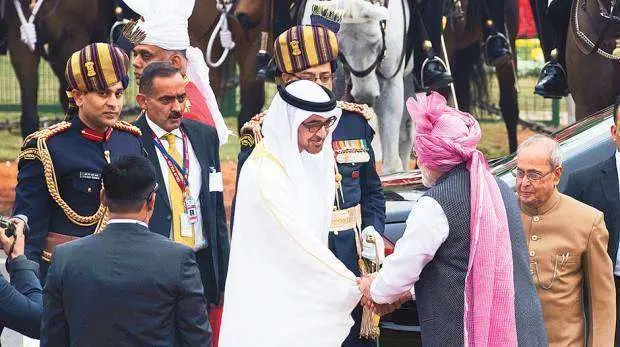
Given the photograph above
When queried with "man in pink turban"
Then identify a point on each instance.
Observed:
(462, 256)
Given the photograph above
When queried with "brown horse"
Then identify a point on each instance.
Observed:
(66, 26)
(464, 39)
(592, 67)
(201, 25)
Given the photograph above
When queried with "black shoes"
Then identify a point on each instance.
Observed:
(434, 74)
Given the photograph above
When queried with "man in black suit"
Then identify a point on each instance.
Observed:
(21, 303)
(185, 154)
(125, 286)
(598, 187)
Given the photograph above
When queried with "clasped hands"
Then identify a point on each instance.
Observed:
(364, 284)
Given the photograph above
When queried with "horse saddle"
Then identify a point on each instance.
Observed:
(594, 33)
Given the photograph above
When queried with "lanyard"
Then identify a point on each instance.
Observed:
(180, 174)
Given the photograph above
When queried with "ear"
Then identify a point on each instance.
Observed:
(150, 204)
(141, 100)
(78, 96)
(557, 174)
(613, 130)
(176, 61)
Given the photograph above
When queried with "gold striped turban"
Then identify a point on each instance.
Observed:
(305, 46)
(94, 68)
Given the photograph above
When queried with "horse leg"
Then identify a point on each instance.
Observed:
(389, 110)
(25, 64)
(508, 101)
(406, 126)
(252, 90)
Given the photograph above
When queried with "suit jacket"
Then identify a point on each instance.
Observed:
(597, 186)
(21, 302)
(213, 261)
(567, 243)
(125, 286)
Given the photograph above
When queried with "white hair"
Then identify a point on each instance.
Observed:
(553, 147)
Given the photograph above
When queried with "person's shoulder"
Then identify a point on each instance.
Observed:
(361, 111)
(31, 147)
(202, 128)
(580, 210)
(251, 132)
(127, 128)
(590, 173)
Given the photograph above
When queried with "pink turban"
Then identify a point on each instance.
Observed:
(446, 137)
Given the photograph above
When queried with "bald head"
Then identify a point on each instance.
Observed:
(543, 146)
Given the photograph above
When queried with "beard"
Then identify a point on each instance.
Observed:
(427, 180)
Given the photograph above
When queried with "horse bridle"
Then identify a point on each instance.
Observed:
(378, 60)
(609, 15)
(382, 52)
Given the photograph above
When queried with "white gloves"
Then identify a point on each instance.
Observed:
(372, 245)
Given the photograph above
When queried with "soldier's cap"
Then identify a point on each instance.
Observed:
(304, 46)
(94, 68)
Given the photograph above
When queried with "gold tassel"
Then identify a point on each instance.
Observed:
(369, 328)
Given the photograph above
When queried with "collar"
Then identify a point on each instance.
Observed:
(159, 132)
(89, 133)
(618, 160)
(550, 204)
(127, 221)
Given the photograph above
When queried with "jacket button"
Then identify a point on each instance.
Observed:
(536, 219)
(534, 237)
(168, 217)
(532, 253)
(336, 233)
(89, 189)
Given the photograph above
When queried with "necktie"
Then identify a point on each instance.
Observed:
(176, 196)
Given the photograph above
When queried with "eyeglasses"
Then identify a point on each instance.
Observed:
(533, 176)
(315, 126)
(324, 78)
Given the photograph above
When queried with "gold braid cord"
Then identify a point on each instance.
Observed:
(50, 177)
(359, 109)
(251, 131)
(127, 127)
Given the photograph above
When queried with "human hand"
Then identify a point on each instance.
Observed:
(14, 246)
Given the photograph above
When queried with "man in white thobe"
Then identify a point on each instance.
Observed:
(284, 286)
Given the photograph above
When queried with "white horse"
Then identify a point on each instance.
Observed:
(378, 71)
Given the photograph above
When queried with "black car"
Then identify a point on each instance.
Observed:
(583, 144)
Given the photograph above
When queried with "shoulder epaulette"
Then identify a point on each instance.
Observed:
(127, 127)
(360, 109)
(29, 150)
(251, 131)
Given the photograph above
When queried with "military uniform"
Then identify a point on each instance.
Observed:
(59, 168)
(359, 202)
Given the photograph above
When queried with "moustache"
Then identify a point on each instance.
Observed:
(175, 115)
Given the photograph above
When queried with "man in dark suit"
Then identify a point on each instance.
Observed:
(185, 154)
(598, 187)
(21, 304)
(125, 286)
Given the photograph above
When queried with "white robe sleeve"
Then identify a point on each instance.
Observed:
(427, 229)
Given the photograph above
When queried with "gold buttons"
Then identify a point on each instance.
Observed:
(534, 237)
(336, 233)
(89, 189)
(536, 219)
(532, 253)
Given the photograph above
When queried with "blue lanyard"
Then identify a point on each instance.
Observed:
(175, 167)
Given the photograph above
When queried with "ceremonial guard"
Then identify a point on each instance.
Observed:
(59, 175)
(310, 53)
(552, 19)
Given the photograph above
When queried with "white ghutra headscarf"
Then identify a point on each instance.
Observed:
(165, 24)
(284, 286)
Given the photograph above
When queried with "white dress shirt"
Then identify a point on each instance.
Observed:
(427, 229)
(195, 174)
(127, 221)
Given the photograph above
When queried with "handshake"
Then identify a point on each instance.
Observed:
(364, 284)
